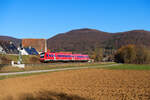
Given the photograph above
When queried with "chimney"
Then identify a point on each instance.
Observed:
(30, 47)
(45, 45)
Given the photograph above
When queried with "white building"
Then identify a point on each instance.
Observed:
(2, 50)
(23, 51)
(28, 51)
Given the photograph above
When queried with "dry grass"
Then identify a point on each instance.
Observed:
(47, 66)
(97, 84)
(28, 59)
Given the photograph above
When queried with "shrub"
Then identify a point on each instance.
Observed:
(97, 54)
(4, 60)
(142, 55)
(34, 59)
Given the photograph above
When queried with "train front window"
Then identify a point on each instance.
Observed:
(42, 55)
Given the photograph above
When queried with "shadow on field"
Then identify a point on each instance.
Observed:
(48, 95)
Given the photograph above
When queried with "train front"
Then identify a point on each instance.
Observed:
(42, 57)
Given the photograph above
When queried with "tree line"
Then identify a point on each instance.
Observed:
(133, 54)
(130, 54)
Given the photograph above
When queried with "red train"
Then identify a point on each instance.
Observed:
(63, 57)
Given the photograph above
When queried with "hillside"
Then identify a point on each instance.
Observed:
(137, 37)
(81, 40)
(15, 41)
(85, 40)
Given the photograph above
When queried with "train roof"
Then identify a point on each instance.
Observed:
(66, 53)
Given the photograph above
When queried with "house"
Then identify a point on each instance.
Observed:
(28, 51)
(38, 44)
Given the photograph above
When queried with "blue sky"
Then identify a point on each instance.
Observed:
(46, 18)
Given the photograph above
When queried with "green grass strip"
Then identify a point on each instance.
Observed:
(129, 67)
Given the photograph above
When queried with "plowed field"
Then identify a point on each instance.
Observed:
(96, 84)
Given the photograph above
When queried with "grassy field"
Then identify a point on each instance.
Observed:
(130, 67)
(49, 66)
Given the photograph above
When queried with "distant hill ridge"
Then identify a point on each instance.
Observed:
(85, 40)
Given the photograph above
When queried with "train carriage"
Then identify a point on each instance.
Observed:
(63, 57)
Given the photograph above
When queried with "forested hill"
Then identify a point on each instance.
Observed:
(78, 40)
(137, 37)
(85, 40)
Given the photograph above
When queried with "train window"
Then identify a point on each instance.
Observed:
(68, 56)
(59, 55)
(42, 53)
(80, 56)
(63, 56)
(50, 55)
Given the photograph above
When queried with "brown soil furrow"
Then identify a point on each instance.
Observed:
(98, 84)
